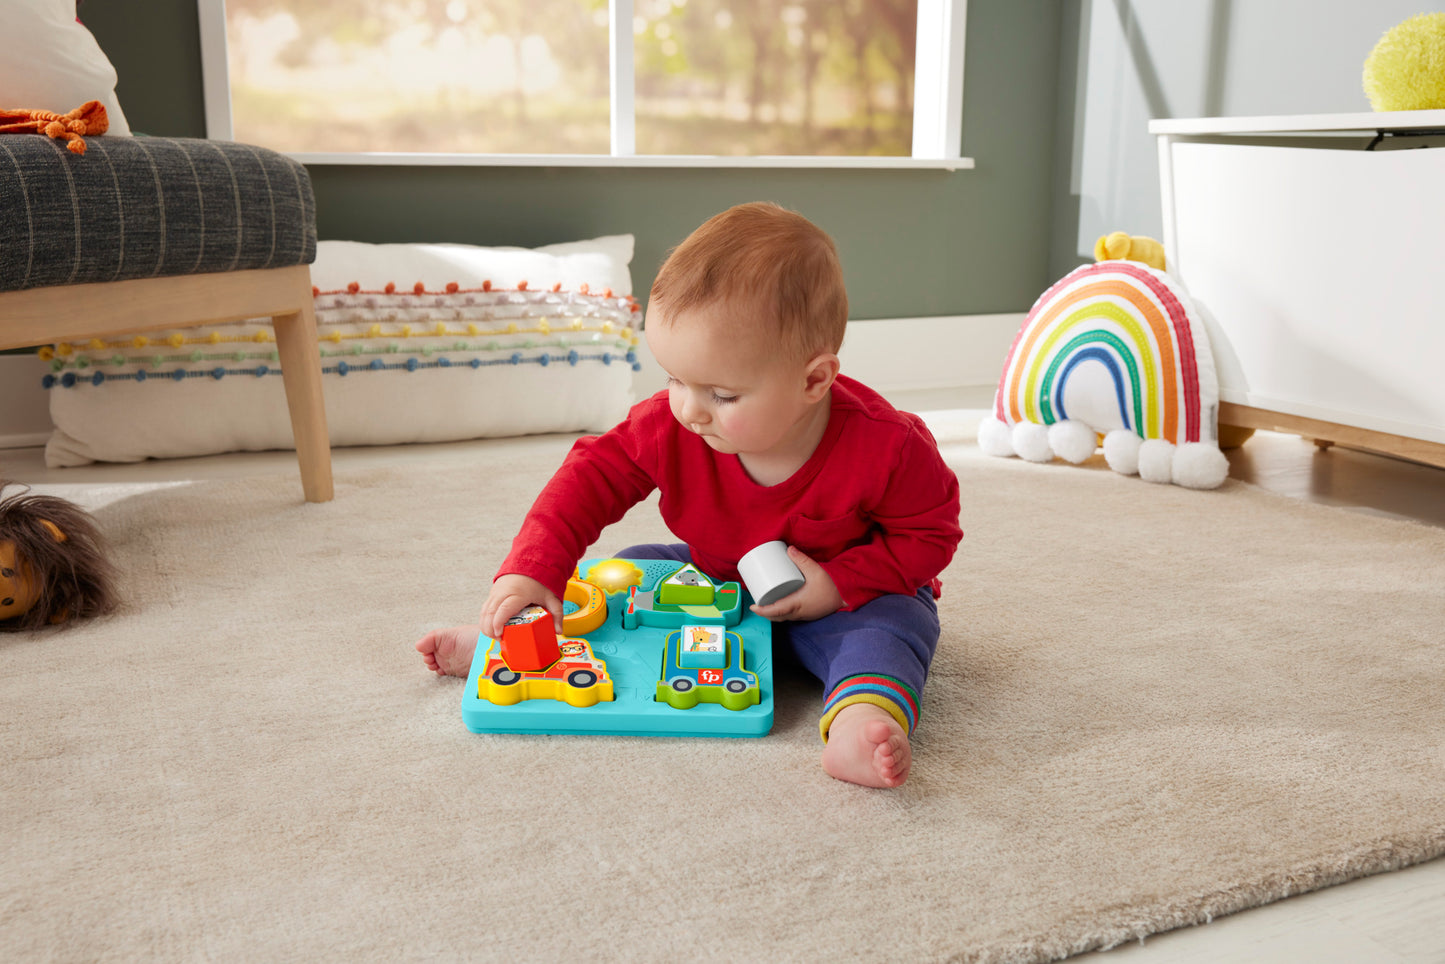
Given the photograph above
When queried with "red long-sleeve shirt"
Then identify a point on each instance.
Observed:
(875, 504)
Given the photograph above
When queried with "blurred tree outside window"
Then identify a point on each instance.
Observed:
(712, 77)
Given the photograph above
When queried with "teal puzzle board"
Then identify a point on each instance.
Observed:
(674, 669)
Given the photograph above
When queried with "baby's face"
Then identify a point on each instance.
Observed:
(727, 381)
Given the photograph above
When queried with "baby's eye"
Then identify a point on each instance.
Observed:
(723, 399)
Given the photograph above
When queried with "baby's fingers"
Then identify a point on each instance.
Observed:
(780, 611)
(505, 608)
(554, 606)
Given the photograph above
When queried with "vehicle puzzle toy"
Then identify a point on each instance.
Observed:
(577, 678)
(648, 648)
(705, 663)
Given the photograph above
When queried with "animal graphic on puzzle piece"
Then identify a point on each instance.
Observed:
(703, 646)
(686, 587)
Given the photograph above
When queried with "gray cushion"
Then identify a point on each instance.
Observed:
(142, 207)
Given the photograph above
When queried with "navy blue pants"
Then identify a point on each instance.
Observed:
(878, 653)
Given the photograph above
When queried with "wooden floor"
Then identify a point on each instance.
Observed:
(1387, 919)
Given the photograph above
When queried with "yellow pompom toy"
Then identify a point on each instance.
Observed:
(1406, 70)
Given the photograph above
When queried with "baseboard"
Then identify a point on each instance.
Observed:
(24, 405)
(950, 361)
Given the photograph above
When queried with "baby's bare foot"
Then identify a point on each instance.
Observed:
(448, 652)
(866, 745)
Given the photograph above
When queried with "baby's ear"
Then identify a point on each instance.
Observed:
(54, 530)
(821, 372)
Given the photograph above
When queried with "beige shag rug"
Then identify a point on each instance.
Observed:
(1151, 706)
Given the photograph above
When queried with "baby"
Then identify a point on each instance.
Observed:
(758, 437)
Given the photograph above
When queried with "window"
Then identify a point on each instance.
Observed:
(875, 82)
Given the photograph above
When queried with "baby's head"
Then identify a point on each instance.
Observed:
(776, 272)
(746, 318)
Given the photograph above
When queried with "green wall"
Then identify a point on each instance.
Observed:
(913, 243)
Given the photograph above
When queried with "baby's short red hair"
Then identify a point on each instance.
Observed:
(763, 257)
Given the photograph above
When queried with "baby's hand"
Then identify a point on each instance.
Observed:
(819, 597)
(511, 593)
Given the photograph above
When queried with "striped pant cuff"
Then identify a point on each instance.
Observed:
(892, 695)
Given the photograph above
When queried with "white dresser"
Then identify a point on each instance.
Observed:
(1315, 246)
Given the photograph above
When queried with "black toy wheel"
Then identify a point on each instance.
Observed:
(682, 684)
(736, 685)
(581, 678)
(505, 677)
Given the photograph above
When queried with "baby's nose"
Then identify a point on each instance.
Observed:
(693, 411)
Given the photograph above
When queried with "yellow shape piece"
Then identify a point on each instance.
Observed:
(614, 575)
(591, 606)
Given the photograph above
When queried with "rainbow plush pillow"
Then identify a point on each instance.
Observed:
(1114, 349)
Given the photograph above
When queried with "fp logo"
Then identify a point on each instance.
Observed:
(710, 677)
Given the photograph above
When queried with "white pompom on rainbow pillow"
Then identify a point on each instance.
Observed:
(1113, 349)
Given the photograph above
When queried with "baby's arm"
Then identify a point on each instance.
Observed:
(601, 478)
(917, 531)
(511, 593)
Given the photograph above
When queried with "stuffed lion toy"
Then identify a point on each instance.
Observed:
(52, 563)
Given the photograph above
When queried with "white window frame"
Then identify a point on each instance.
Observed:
(937, 106)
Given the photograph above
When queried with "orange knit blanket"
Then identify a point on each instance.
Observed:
(88, 118)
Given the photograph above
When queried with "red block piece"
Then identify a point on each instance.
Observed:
(529, 641)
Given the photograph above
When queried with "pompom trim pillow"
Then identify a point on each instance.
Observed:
(1113, 354)
(487, 353)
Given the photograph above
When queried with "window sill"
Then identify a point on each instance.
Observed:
(637, 160)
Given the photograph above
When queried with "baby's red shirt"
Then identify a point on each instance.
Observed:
(875, 504)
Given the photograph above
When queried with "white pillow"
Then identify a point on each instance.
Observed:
(600, 263)
(474, 354)
(53, 63)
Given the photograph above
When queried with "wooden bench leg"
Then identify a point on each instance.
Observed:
(300, 356)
